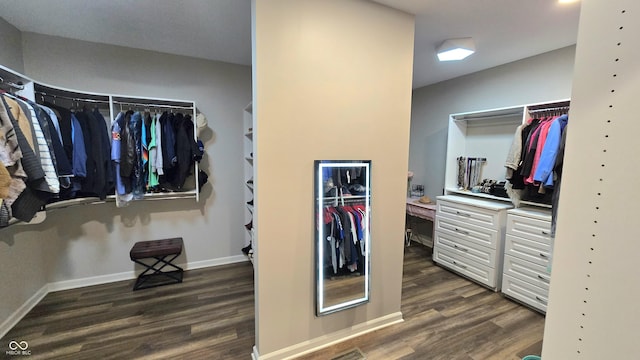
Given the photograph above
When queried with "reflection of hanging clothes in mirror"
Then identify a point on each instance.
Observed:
(346, 227)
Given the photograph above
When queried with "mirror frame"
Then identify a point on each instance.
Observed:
(320, 198)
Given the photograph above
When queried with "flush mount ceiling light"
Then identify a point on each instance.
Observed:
(456, 49)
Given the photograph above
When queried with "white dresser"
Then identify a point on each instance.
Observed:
(527, 255)
(469, 237)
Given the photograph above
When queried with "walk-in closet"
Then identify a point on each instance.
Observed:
(319, 179)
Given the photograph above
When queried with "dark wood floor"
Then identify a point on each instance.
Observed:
(208, 316)
(447, 317)
(211, 316)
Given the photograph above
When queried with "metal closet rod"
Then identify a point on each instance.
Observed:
(152, 105)
(12, 84)
(42, 93)
(560, 108)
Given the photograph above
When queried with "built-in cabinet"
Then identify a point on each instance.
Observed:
(498, 242)
(469, 237)
(527, 256)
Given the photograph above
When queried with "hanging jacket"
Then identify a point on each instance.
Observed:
(137, 177)
(36, 193)
(186, 149)
(544, 171)
(169, 158)
(128, 150)
(64, 123)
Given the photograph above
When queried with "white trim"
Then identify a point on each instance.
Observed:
(324, 341)
(23, 310)
(128, 275)
(90, 281)
(17, 315)
(215, 262)
(506, 108)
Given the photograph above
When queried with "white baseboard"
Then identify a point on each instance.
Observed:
(90, 281)
(23, 310)
(17, 315)
(324, 341)
(128, 275)
(215, 262)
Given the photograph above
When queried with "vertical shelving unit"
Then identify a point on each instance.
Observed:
(248, 177)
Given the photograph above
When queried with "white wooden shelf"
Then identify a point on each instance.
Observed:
(478, 195)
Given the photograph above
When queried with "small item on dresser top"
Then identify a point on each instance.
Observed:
(461, 171)
(424, 200)
(417, 191)
(485, 185)
(498, 189)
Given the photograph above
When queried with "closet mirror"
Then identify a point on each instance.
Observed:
(343, 206)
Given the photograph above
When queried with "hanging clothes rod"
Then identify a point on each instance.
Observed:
(554, 109)
(153, 105)
(341, 200)
(42, 93)
(11, 84)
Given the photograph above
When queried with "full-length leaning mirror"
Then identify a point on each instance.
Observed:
(343, 206)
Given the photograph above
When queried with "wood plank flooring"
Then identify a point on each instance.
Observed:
(211, 316)
(448, 317)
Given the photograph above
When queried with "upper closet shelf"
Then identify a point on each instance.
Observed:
(478, 195)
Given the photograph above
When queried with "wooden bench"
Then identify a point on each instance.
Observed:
(163, 252)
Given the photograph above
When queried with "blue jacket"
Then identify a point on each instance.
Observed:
(544, 171)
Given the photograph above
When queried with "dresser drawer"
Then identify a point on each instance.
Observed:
(480, 273)
(528, 228)
(525, 292)
(466, 249)
(464, 230)
(470, 214)
(527, 271)
(526, 249)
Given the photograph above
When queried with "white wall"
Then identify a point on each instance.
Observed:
(593, 308)
(90, 241)
(10, 46)
(333, 81)
(536, 79)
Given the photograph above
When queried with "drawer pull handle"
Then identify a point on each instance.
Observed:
(461, 231)
(460, 265)
(545, 232)
(543, 278)
(541, 300)
(543, 256)
(463, 214)
(460, 248)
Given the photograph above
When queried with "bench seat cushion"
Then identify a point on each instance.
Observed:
(151, 248)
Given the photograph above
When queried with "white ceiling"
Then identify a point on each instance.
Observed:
(504, 30)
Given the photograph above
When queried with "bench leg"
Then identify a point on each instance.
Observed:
(152, 271)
